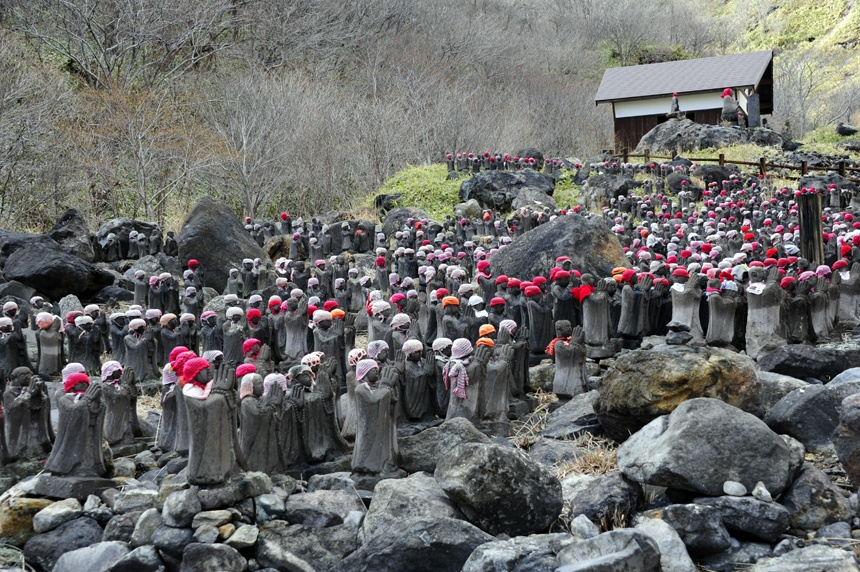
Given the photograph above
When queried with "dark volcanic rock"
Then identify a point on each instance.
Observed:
(811, 414)
(71, 233)
(121, 227)
(43, 550)
(395, 219)
(13, 241)
(55, 273)
(802, 361)
(215, 236)
(589, 242)
(685, 134)
(711, 173)
(422, 451)
(498, 189)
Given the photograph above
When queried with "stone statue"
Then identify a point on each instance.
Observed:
(214, 453)
(296, 330)
(417, 370)
(441, 355)
(78, 447)
(50, 346)
(721, 312)
(137, 350)
(27, 416)
(119, 393)
(686, 296)
(571, 377)
(210, 332)
(375, 439)
(141, 288)
(463, 376)
(233, 332)
(347, 429)
(260, 413)
(117, 331)
(595, 320)
(764, 332)
(320, 431)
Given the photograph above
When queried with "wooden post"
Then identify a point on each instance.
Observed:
(842, 168)
(647, 156)
(804, 167)
(624, 155)
(722, 160)
(761, 166)
(811, 241)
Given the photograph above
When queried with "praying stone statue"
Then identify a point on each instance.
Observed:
(441, 353)
(210, 332)
(418, 372)
(686, 296)
(137, 350)
(721, 314)
(595, 320)
(120, 398)
(571, 377)
(296, 330)
(49, 344)
(78, 447)
(27, 416)
(214, 453)
(320, 431)
(260, 412)
(495, 392)
(347, 429)
(795, 307)
(818, 306)
(233, 332)
(376, 437)
(463, 376)
(849, 296)
(763, 325)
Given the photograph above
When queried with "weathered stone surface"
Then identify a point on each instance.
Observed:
(321, 508)
(817, 557)
(601, 188)
(396, 218)
(496, 190)
(684, 134)
(71, 233)
(16, 519)
(589, 242)
(536, 553)
(172, 541)
(573, 418)
(134, 500)
(419, 544)
(246, 485)
(121, 227)
(214, 236)
(802, 361)
(43, 550)
(814, 501)
(624, 549)
(121, 526)
(419, 495)
(181, 507)
(143, 559)
(56, 514)
(244, 537)
(55, 273)
(811, 414)
(209, 557)
(741, 555)
(422, 451)
(302, 548)
(607, 496)
(552, 452)
(500, 489)
(846, 439)
(145, 527)
(703, 444)
(765, 520)
(96, 558)
(699, 527)
(775, 386)
(213, 517)
(673, 554)
(533, 198)
(644, 384)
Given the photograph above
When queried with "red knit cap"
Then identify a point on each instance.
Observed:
(248, 344)
(253, 313)
(497, 301)
(483, 264)
(441, 293)
(193, 367)
(380, 261)
(514, 283)
(538, 280)
(245, 369)
(329, 305)
(175, 352)
(73, 380)
(839, 264)
(681, 272)
(532, 291)
(501, 279)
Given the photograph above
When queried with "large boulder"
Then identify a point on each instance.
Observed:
(71, 233)
(810, 414)
(645, 384)
(55, 273)
(699, 526)
(13, 241)
(702, 444)
(711, 173)
(422, 451)
(685, 134)
(299, 547)
(589, 242)
(533, 198)
(215, 236)
(395, 219)
(600, 188)
(95, 558)
(816, 557)
(500, 489)
(846, 439)
(802, 361)
(606, 497)
(624, 549)
(814, 501)
(535, 553)
(120, 228)
(43, 550)
(747, 515)
(426, 544)
(497, 189)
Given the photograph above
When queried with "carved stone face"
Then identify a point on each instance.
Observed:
(383, 356)
(211, 321)
(205, 375)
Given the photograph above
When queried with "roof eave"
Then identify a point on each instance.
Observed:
(669, 94)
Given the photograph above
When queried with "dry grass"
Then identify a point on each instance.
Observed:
(599, 457)
(13, 557)
(527, 430)
(147, 403)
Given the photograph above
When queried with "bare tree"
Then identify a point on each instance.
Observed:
(798, 78)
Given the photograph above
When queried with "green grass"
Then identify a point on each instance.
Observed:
(426, 188)
(792, 23)
(566, 191)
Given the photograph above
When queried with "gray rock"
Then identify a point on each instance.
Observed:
(590, 243)
(268, 507)
(673, 553)
(124, 467)
(846, 439)
(575, 484)
(761, 493)
(135, 500)
(606, 497)
(802, 361)
(601, 188)
(244, 486)
(497, 189)
(43, 550)
(682, 134)
(298, 547)
(468, 209)
(532, 198)
(172, 541)
(764, 520)
(734, 489)
(214, 518)
(145, 527)
(811, 414)
(704, 443)
(500, 489)
(143, 559)
(321, 508)
(55, 273)
(340, 481)
(775, 386)
(624, 549)
(699, 527)
(121, 526)
(96, 558)
(574, 418)
(244, 537)
(739, 556)
(536, 553)
(209, 557)
(813, 501)
(553, 452)
(836, 534)
(56, 514)
(181, 507)
(582, 527)
(93, 502)
(206, 534)
(396, 218)
(419, 495)
(812, 558)
(850, 374)
(422, 451)
(542, 375)
(418, 545)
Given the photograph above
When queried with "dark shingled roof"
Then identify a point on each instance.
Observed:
(686, 76)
